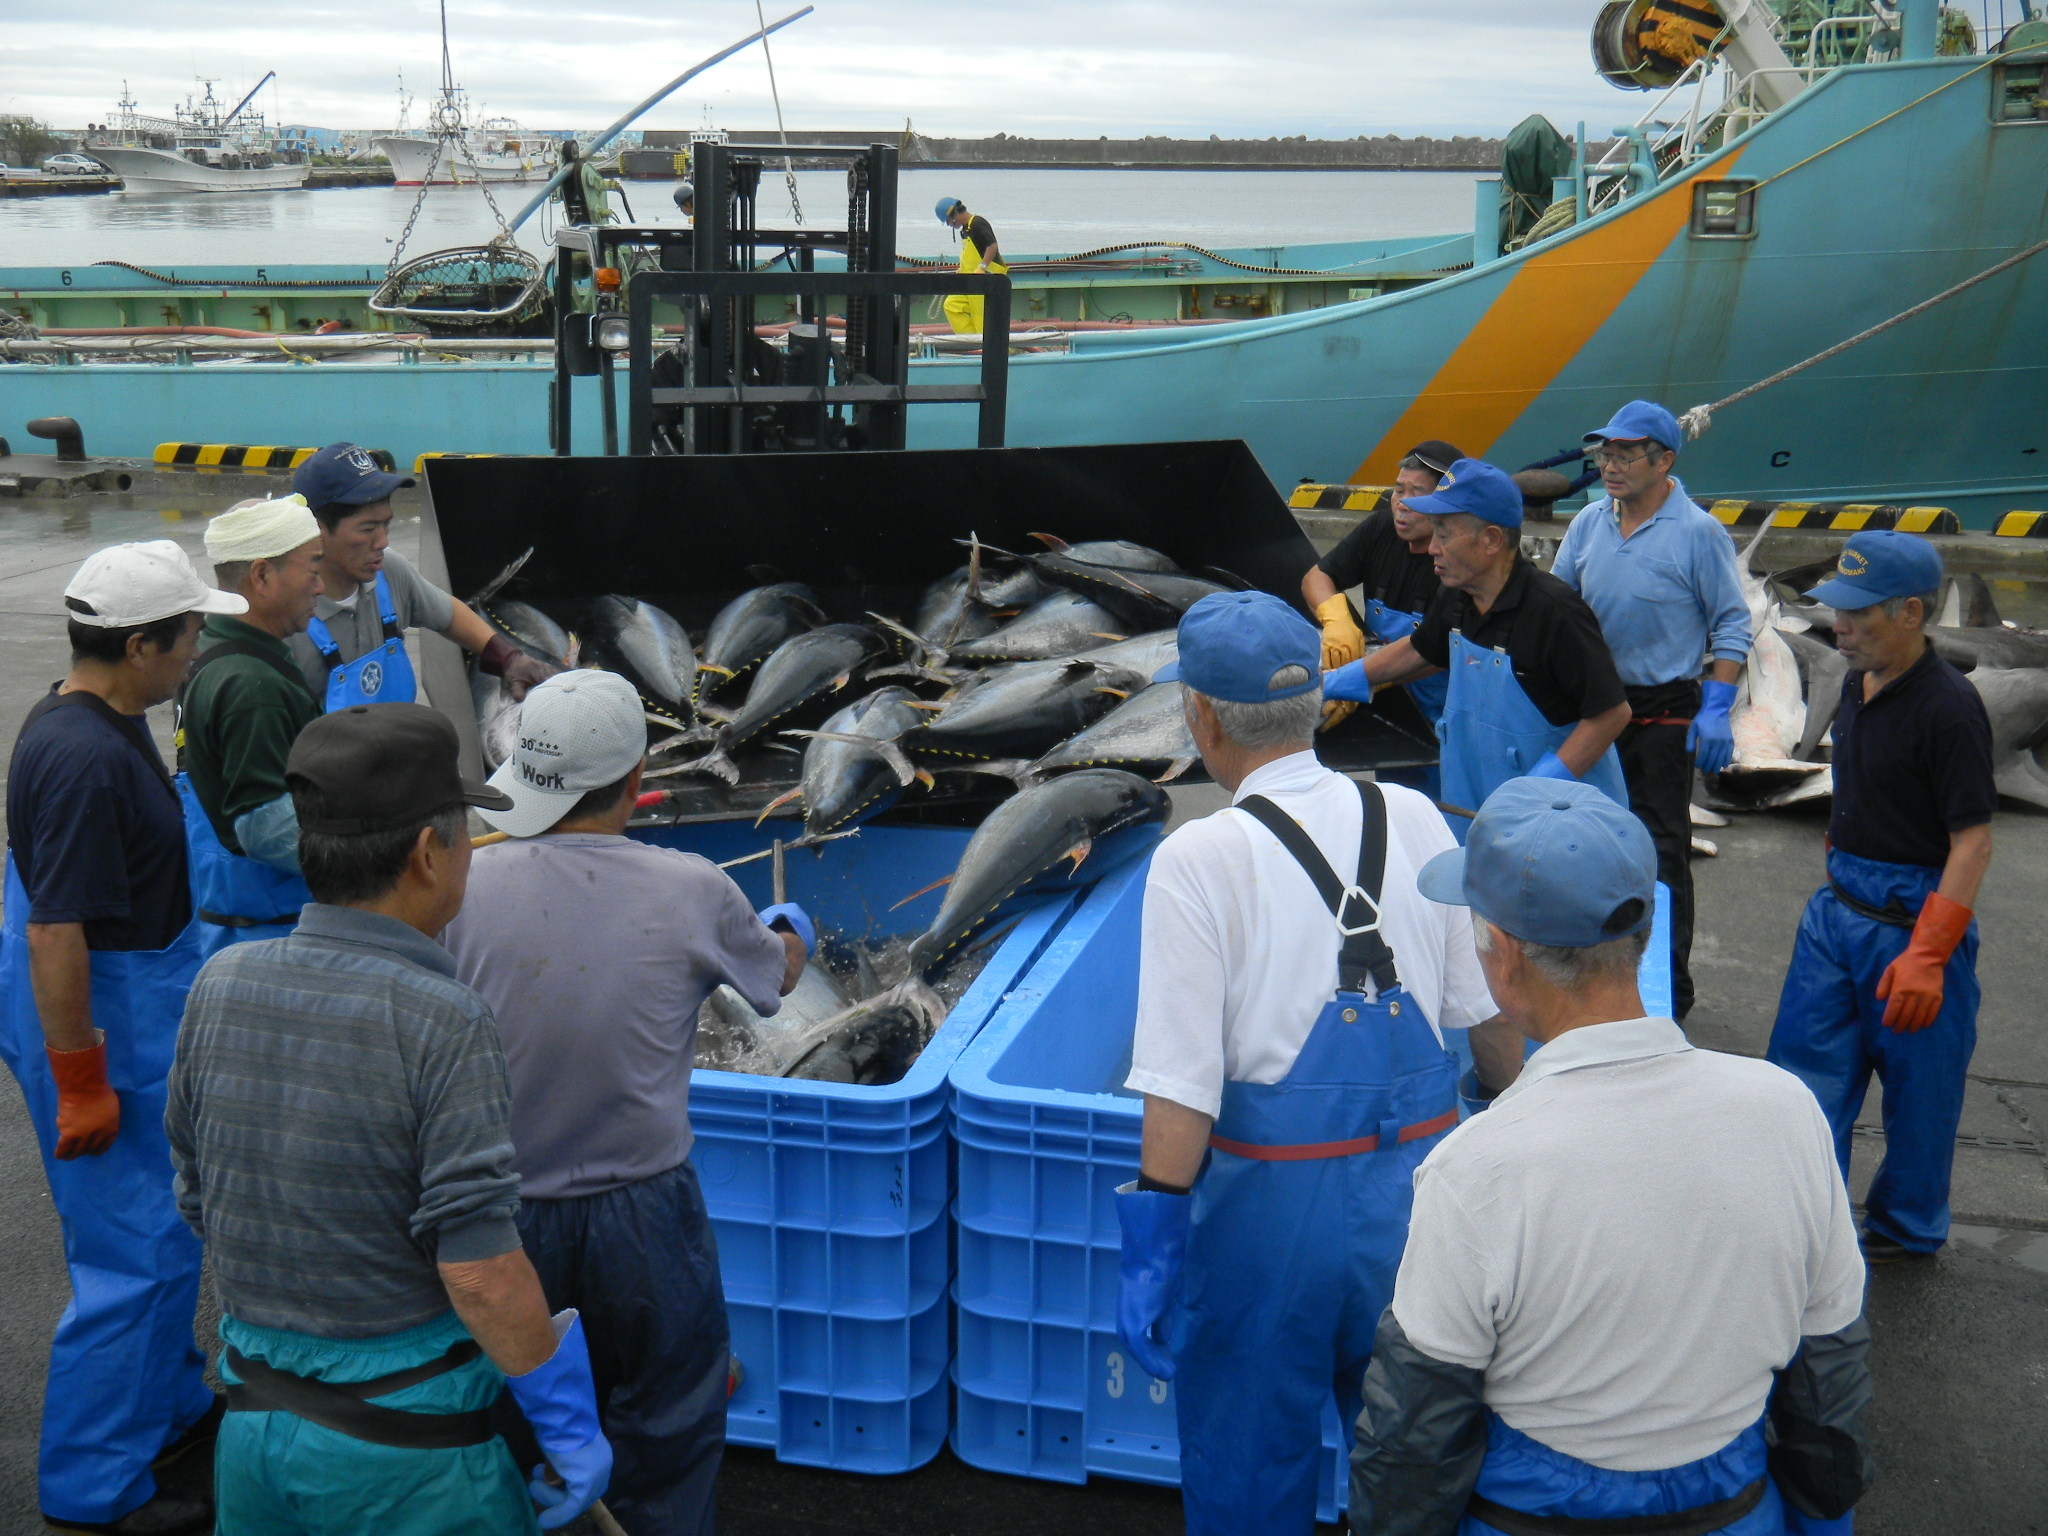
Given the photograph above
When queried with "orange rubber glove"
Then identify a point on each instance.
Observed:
(1343, 640)
(88, 1112)
(1912, 983)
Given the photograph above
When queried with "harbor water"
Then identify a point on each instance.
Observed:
(1033, 211)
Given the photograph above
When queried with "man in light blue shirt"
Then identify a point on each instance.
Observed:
(1660, 575)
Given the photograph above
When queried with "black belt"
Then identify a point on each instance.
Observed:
(1703, 1521)
(341, 1405)
(229, 920)
(1894, 914)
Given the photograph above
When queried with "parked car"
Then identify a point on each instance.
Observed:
(73, 165)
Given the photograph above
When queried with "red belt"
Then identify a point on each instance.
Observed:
(1660, 719)
(1309, 1151)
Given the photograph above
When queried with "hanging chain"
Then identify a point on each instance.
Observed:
(504, 234)
(418, 203)
(796, 208)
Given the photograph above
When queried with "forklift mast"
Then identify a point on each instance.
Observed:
(832, 372)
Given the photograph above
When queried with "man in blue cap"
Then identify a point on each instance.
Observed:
(1293, 994)
(1532, 686)
(353, 650)
(1638, 1258)
(1884, 974)
(1659, 573)
(978, 253)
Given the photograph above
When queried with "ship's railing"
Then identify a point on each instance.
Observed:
(400, 347)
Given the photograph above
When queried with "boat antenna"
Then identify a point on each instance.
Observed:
(619, 127)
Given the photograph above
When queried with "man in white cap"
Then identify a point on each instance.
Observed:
(242, 706)
(595, 952)
(1631, 1299)
(96, 955)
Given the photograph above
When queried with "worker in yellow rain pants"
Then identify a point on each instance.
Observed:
(978, 253)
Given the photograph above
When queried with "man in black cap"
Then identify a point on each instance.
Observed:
(339, 1127)
(353, 651)
(1387, 557)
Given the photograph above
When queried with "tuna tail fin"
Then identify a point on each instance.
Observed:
(715, 763)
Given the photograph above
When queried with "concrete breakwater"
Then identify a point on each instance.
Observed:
(1386, 152)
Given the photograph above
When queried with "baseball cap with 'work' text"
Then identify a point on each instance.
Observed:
(578, 731)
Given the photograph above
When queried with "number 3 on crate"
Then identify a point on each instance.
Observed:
(1115, 1385)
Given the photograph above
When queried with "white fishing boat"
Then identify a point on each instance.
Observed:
(495, 150)
(199, 148)
(452, 150)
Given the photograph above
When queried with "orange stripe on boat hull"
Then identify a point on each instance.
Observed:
(1554, 304)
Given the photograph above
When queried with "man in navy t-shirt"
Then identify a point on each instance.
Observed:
(96, 955)
(1884, 974)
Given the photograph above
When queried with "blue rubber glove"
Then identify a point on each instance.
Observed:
(1347, 683)
(1711, 738)
(1155, 1226)
(798, 919)
(1551, 767)
(559, 1400)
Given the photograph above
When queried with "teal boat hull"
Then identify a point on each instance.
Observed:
(1879, 187)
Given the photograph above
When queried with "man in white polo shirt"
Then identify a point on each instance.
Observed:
(1635, 1266)
(1293, 1066)
(595, 951)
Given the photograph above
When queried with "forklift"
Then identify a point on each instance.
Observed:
(827, 369)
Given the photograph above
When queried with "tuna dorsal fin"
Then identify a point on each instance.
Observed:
(491, 588)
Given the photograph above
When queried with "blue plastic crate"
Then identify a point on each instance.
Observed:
(829, 1200)
(1046, 1132)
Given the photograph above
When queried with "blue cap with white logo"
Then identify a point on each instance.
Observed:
(344, 475)
(1233, 644)
(1880, 563)
(1552, 861)
(1641, 421)
(1476, 488)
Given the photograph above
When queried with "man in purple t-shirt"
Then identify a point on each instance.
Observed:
(595, 952)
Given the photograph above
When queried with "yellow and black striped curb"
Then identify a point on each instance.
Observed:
(236, 456)
(1339, 498)
(1835, 517)
(2022, 525)
(419, 465)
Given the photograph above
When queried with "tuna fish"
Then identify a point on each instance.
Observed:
(647, 647)
(1148, 731)
(2016, 699)
(750, 627)
(733, 1038)
(1022, 710)
(853, 768)
(951, 613)
(810, 668)
(497, 718)
(873, 1043)
(1117, 552)
(1098, 818)
(1062, 625)
(531, 630)
(1146, 598)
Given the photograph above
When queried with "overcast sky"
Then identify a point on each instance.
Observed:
(1325, 68)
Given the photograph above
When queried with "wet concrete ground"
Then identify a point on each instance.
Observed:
(1961, 1358)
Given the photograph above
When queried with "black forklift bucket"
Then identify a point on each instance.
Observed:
(868, 532)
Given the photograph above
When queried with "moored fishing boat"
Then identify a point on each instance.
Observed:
(199, 148)
(1757, 215)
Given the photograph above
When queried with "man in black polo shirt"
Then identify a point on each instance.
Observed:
(1532, 689)
(97, 952)
(1387, 557)
(1884, 973)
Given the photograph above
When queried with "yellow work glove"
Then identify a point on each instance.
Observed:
(1343, 640)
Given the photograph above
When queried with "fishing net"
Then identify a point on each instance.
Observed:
(470, 286)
